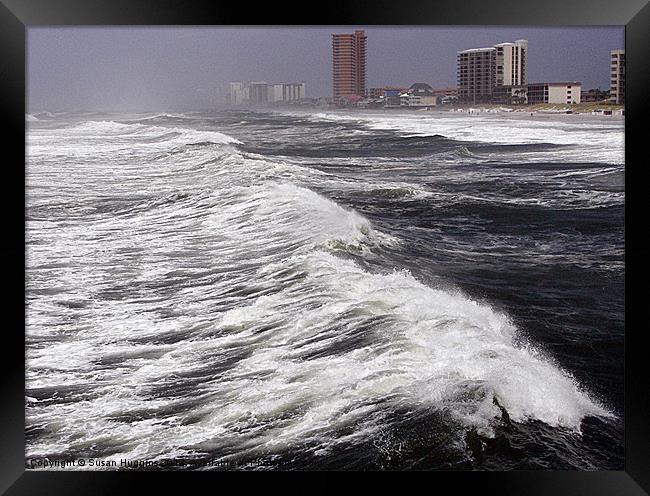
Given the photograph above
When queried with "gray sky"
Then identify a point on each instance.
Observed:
(178, 68)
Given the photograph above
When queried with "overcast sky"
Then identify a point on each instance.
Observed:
(178, 68)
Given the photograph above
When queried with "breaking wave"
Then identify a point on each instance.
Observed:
(240, 314)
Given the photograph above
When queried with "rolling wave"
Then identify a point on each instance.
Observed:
(187, 301)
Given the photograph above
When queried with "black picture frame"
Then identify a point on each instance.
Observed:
(16, 16)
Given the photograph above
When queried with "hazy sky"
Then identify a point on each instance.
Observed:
(177, 68)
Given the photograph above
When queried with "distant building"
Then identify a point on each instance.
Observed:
(417, 95)
(348, 65)
(510, 95)
(381, 92)
(511, 61)
(562, 93)
(375, 92)
(323, 101)
(419, 101)
(421, 89)
(476, 74)
(617, 77)
(446, 96)
(449, 91)
(286, 92)
(347, 100)
(392, 97)
(262, 93)
(258, 92)
(238, 93)
(594, 95)
(447, 100)
(482, 70)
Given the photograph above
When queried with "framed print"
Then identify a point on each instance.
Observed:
(373, 239)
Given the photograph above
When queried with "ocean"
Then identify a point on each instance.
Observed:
(289, 290)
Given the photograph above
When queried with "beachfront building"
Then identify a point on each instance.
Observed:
(258, 92)
(446, 95)
(413, 100)
(392, 97)
(617, 77)
(262, 93)
(348, 65)
(238, 93)
(559, 93)
(594, 95)
(476, 74)
(511, 61)
(286, 92)
(483, 71)
(375, 92)
(510, 95)
(420, 89)
(448, 91)
(418, 95)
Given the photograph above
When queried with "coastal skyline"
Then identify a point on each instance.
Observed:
(186, 68)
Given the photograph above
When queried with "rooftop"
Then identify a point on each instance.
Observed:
(488, 49)
(573, 83)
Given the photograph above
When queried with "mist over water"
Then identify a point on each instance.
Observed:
(326, 290)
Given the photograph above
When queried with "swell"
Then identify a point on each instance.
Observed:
(237, 313)
(307, 343)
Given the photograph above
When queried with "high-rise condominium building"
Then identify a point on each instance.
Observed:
(476, 74)
(238, 93)
(262, 93)
(349, 64)
(286, 92)
(617, 77)
(511, 61)
(258, 92)
(481, 70)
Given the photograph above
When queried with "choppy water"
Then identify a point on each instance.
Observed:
(326, 290)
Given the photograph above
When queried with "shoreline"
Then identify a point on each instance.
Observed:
(533, 114)
(537, 114)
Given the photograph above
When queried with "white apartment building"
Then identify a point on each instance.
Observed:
(482, 71)
(238, 93)
(617, 77)
(260, 92)
(511, 63)
(423, 101)
(561, 93)
(286, 92)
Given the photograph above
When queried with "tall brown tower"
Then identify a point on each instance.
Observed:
(349, 64)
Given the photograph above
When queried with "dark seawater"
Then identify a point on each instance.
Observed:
(326, 291)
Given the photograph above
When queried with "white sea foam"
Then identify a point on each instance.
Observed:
(589, 143)
(226, 313)
(434, 350)
(94, 138)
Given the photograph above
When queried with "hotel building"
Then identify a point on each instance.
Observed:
(476, 74)
(262, 93)
(286, 92)
(258, 92)
(238, 93)
(482, 72)
(511, 63)
(349, 64)
(617, 77)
